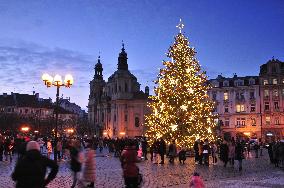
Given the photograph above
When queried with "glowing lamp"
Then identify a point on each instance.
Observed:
(68, 80)
(25, 129)
(247, 133)
(105, 133)
(57, 80)
(45, 77)
(122, 133)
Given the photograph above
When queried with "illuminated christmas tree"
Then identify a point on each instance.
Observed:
(181, 108)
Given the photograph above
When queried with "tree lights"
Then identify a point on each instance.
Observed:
(181, 108)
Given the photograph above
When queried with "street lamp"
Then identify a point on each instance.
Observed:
(57, 82)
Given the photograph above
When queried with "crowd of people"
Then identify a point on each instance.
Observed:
(35, 156)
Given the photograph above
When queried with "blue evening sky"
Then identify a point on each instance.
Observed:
(66, 36)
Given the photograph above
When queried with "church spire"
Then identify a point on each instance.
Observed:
(99, 69)
(122, 59)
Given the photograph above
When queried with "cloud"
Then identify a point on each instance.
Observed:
(23, 63)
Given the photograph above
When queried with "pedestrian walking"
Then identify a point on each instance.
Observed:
(76, 161)
(155, 147)
(144, 144)
(200, 152)
(59, 149)
(89, 166)
(239, 153)
(196, 151)
(162, 150)
(205, 152)
(224, 152)
(49, 148)
(172, 152)
(256, 148)
(231, 155)
(214, 151)
(30, 170)
(182, 155)
(128, 163)
(196, 181)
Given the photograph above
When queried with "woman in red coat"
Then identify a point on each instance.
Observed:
(128, 163)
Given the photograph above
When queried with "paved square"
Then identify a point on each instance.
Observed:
(256, 173)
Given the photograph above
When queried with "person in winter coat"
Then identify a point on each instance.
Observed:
(200, 152)
(196, 151)
(144, 148)
(49, 148)
(89, 173)
(76, 161)
(182, 155)
(30, 170)
(205, 152)
(172, 152)
(155, 151)
(162, 150)
(239, 154)
(214, 152)
(224, 152)
(231, 155)
(128, 163)
(196, 181)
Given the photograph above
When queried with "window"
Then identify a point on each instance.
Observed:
(274, 81)
(243, 121)
(238, 122)
(239, 83)
(240, 107)
(125, 117)
(226, 84)
(137, 122)
(275, 93)
(26, 111)
(227, 122)
(119, 88)
(252, 107)
(283, 92)
(277, 121)
(265, 82)
(242, 95)
(251, 82)
(253, 122)
(21, 111)
(103, 117)
(251, 94)
(276, 105)
(226, 108)
(266, 106)
(266, 93)
(226, 95)
(267, 120)
(114, 118)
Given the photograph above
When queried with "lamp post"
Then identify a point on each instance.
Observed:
(57, 82)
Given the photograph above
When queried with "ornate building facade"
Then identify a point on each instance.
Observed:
(117, 106)
(251, 106)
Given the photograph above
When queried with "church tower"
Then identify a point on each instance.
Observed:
(96, 92)
(122, 59)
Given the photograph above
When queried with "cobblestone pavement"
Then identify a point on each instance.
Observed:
(256, 173)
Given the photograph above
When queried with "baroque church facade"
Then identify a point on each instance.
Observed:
(117, 106)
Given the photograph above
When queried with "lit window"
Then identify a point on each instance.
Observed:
(242, 108)
(226, 95)
(265, 82)
(253, 122)
(275, 93)
(267, 120)
(274, 81)
(243, 121)
(266, 93)
(238, 107)
(238, 122)
(277, 121)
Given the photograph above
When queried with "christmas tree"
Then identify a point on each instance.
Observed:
(181, 109)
